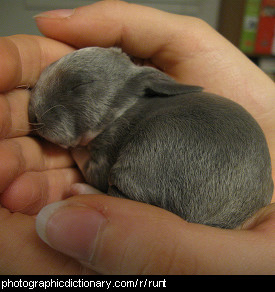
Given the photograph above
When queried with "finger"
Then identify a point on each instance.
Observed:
(31, 191)
(118, 236)
(19, 155)
(83, 189)
(22, 60)
(23, 57)
(14, 117)
(24, 253)
(116, 23)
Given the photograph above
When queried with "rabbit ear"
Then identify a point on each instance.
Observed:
(150, 82)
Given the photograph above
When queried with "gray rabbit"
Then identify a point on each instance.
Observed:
(151, 139)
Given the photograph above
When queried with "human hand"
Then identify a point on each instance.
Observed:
(32, 174)
(138, 238)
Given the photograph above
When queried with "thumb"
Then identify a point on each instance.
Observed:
(118, 236)
(23, 253)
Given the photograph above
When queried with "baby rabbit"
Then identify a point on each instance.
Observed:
(151, 139)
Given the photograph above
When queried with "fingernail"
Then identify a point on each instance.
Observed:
(70, 229)
(60, 13)
(83, 189)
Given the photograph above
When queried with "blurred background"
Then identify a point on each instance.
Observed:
(248, 24)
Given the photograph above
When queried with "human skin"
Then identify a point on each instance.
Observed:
(131, 240)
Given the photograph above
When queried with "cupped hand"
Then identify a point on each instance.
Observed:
(111, 235)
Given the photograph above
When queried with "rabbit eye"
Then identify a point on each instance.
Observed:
(80, 86)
